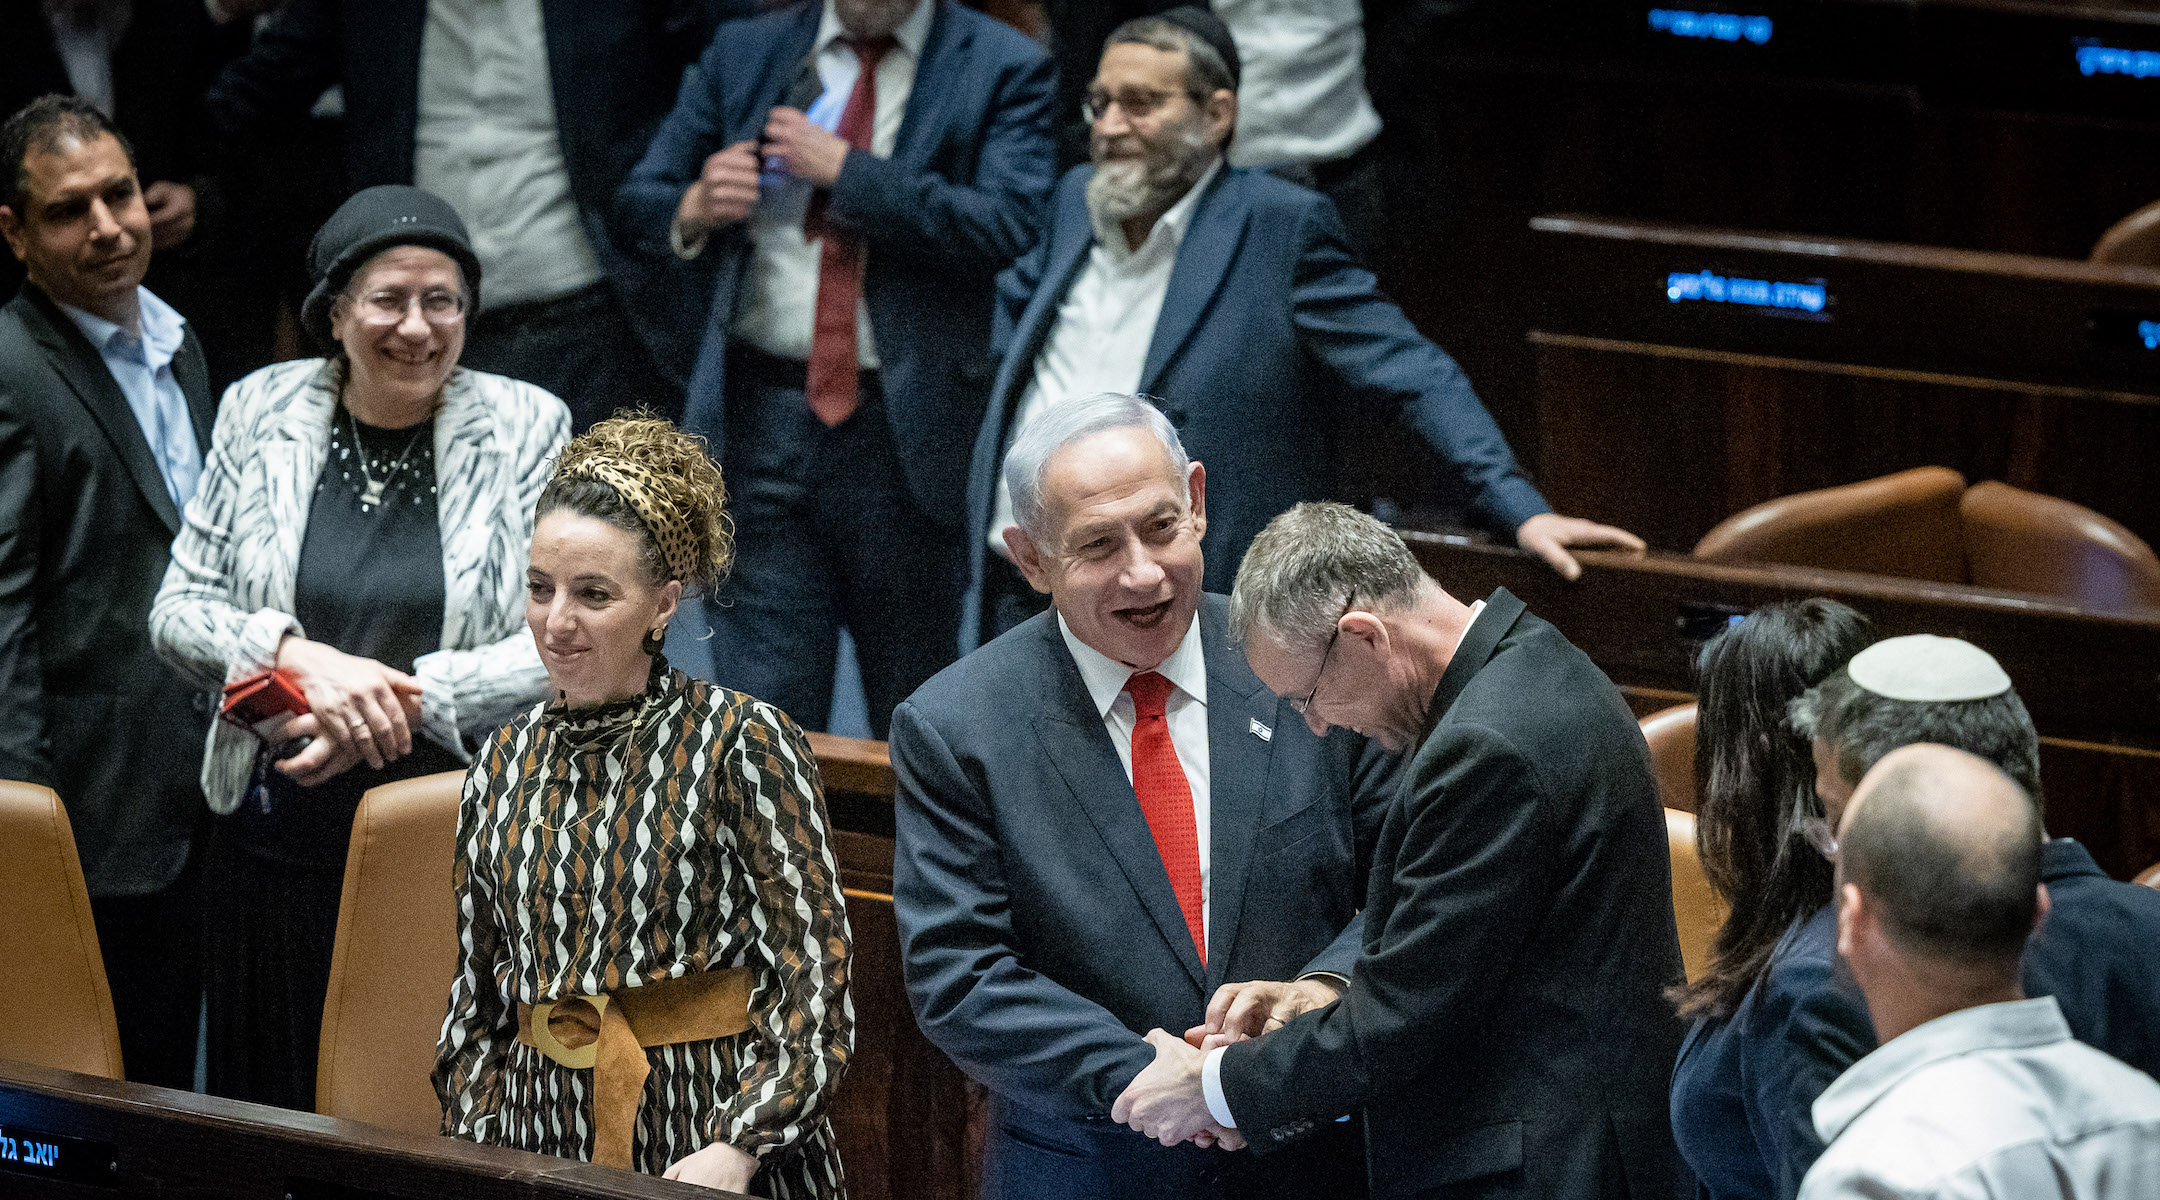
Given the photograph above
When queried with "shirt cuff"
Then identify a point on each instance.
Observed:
(684, 248)
(1211, 1088)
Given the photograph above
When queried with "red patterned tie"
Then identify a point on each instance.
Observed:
(1166, 799)
(833, 378)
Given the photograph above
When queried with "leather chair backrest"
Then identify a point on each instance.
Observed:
(1905, 525)
(2150, 876)
(2133, 241)
(1697, 911)
(60, 1010)
(2021, 541)
(395, 956)
(1671, 734)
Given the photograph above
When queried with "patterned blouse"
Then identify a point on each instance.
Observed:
(602, 848)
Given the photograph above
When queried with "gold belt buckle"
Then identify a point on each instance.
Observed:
(545, 1041)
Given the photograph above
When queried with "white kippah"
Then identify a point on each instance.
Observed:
(1925, 667)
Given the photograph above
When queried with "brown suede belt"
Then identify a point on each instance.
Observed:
(607, 1035)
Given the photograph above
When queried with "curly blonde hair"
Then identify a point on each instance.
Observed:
(642, 475)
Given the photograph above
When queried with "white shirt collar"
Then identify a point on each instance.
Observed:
(2011, 1025)
(1105, 677)
(910, 33)
(161, 326)
(1169, 230)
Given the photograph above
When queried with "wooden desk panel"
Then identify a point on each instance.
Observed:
(2091, 681)
(181, 1145)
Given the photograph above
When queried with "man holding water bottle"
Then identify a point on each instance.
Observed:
(852, 174)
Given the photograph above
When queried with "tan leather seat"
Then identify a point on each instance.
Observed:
(1905, 525)
(1697, 911)
(2133, 241)
(2022, 541)
(2150, 876)
(60, 1011)
(395, 956)
(1671, 734)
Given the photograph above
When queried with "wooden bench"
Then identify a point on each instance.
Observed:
(2091, 681)
(1683, 374)
(906, 1118)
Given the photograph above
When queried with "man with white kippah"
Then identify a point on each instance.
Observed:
(1977, 1091)
(2099, 953)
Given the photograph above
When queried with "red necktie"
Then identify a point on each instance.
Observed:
(1166, 799)
(832, 378)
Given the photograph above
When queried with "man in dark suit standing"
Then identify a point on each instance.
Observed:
(1103, 816)
(906, 151)
(525, 115)
(1231, 294)
(105, 411)
(1505, 1030)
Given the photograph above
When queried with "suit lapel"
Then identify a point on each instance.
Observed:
(1078, 747)
(1240, 781)
(943, 55)
(194, 379)
(292, 457)
(469, 466)
(1066, 257)
(1501, 612)
(1203, 263)
(79, 364)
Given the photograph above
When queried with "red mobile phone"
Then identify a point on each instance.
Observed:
(263, 704)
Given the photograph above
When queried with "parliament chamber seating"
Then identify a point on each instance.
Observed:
(2086, 676)
(1926, 524)
(60, 1007)
(1670, 734)
(2133, 241)
(395, 955)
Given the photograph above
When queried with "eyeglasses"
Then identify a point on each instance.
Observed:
(1301, 705)
(1137, 104)
(388, 306)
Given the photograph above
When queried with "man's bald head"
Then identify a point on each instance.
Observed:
(1947, 848)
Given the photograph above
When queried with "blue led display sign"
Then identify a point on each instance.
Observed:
(2096, 59)
(1708, 287)
(1711, 26)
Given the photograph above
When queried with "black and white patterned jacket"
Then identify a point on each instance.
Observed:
(227, 599)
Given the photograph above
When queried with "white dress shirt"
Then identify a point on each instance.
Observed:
(1185, 711)
(1104, 326)
(142, 366)
(487, 142)
(778, 310)
(86, 50)
(1302, 94)
(1991, 1101)
(1211, 1068)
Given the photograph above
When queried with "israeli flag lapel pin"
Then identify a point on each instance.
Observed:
(1260, 731)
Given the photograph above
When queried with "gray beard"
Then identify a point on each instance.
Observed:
(1120, 191)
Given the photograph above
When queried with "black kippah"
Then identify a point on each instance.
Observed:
(1209, 28)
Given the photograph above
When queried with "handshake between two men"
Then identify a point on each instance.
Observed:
(1168, 1100)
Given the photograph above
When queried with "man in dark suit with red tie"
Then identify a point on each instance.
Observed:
(852, 174)
(1104, 816)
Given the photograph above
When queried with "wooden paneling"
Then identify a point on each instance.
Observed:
(2091, 681)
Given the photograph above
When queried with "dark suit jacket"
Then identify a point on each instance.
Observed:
(86, 530)
(1267, 321)
(164, 60)
(1039, 934)
(613, 68)
(959, 199)
(1505, 1030)
(2099, 956)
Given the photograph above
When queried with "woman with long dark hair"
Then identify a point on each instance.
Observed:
(1770, 1027)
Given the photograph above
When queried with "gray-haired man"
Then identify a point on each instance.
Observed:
(1504, 1031)
(1104, 816)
